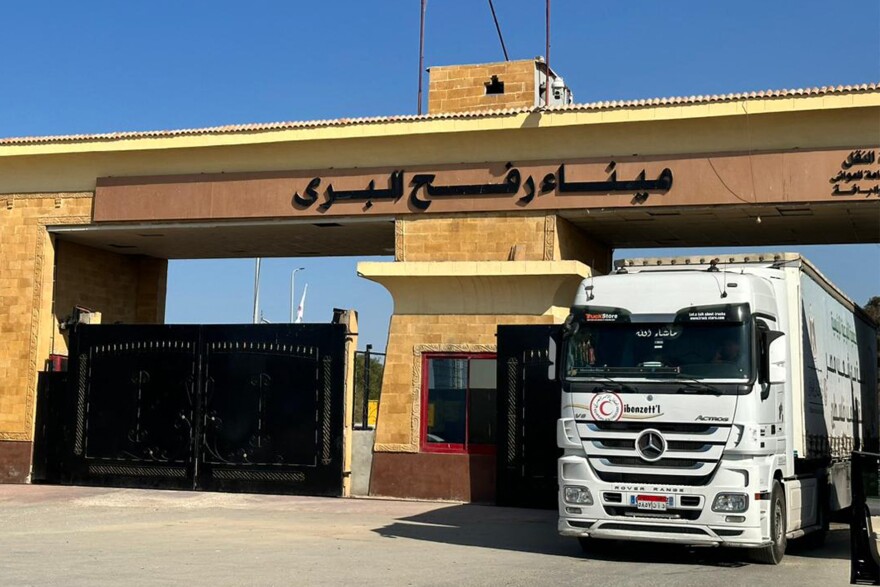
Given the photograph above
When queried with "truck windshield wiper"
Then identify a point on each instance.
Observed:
(619, 386)
(696, 385)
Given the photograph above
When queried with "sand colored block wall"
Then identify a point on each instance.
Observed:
(151, 289)
(571, 243)
(125, 288)
(460, 88)
(473, 238)
(451, 326)
(491, 237)
(412, 335)
(26, 272)
(128, 289)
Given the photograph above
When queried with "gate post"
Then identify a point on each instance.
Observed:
(349, 319)
(366, 398)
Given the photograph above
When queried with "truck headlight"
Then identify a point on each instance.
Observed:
(730, 502)
(578, 494)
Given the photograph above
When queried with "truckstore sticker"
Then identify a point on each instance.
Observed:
(606, 406)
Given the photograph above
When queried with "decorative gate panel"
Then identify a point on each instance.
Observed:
(273, 408)
(254, 408)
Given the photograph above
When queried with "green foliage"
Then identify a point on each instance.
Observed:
(873, 308)
(377, 367)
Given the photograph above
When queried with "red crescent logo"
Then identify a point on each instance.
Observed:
(606, 406)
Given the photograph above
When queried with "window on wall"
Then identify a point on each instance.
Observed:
(458, 403)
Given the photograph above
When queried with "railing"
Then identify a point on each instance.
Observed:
(367, 387)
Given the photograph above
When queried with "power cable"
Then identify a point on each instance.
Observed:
(498, 28)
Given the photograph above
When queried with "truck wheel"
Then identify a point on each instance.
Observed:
(772, 554)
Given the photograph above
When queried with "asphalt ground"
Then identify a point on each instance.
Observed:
(76, 536)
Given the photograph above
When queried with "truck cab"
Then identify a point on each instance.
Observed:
(679, 396)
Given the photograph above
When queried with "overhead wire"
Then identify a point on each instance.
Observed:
(498, 28)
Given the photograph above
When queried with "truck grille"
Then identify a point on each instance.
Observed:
(691, 457)
(661, 426)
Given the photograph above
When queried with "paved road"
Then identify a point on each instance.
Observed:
(76, 536)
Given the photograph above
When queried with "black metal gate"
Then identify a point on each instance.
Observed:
(528, 408)
(256, 408)
(864, 559)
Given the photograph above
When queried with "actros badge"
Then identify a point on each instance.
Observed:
(606, 406)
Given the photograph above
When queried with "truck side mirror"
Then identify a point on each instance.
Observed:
(771, 356)
(775, 357)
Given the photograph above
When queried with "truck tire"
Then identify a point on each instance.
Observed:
(772, 554)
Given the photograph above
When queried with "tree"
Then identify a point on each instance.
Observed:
(872, 308)
(377, 368)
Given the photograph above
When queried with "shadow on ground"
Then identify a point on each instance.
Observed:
(837, 546)
(534, 531)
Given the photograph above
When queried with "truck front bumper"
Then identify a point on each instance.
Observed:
(634, 529)
(691, 520)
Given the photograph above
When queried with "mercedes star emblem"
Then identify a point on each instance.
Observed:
(650, 445)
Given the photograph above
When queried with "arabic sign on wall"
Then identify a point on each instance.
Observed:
(615, 182)
(858, 175)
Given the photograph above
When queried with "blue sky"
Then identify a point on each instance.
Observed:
(93, 66)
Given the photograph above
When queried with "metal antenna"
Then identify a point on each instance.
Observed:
(547, 58)
(498, 28)
(422, 52)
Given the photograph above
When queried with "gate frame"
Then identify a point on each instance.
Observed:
(61, 411)
(515, 486)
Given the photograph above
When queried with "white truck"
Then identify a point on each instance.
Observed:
(712, 401)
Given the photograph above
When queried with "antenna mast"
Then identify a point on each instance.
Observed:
(547, 57)
(422, 52)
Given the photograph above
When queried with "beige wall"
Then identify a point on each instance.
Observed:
(459, 88)
(411, 335)
(460, 316)
(472, 238)
(571, 243)
(26, 271)
(125, 288)
(492, 237)
(128, 289)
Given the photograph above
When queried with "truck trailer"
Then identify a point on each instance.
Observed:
(712, 401)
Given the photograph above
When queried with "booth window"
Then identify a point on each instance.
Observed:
(458, 403)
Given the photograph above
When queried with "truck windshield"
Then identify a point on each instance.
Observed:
(714, 351)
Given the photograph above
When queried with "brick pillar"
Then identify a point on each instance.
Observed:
(151, 285)
(123, 288)
(26, 270)
(453, 284)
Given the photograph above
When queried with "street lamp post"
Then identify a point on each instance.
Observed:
(292, 292)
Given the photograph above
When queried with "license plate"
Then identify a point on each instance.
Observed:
(657, 503)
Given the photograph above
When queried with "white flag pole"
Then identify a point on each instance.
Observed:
(302, 305)
(257, 290)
